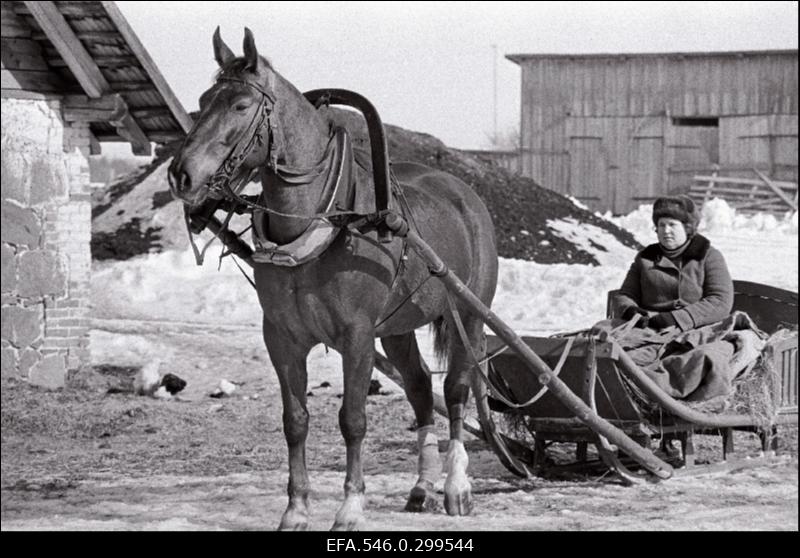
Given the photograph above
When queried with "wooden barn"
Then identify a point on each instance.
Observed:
(618, 130)
(74, 75)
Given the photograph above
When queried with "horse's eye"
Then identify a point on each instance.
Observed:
(241, 107)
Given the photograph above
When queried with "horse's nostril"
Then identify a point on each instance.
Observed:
(184, 182)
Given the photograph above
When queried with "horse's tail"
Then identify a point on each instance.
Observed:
(441, 341)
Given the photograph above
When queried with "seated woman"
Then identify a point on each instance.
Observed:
(681, 291)
(680, 281)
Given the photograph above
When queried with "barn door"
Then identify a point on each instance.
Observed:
(588, 180)
(692, 146)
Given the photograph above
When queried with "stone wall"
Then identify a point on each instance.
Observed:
(46, 231)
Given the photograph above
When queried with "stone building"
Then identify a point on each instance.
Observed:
(74, 75)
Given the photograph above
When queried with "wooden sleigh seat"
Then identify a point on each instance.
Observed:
(596, 371)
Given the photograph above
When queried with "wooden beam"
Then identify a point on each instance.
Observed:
(110, 108)
(69, 47)
(750, 181)
(128, 128)
(86, 71)
(94, 145)
(76, 9)
(152, 112)
(778, 192)
(106, 37)
(180, 114)
(80, 108)
(32, 80)
(161, 136)
(101, 61)
(22, 54)
(134, 86)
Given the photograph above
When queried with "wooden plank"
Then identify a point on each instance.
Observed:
(11, 25)
(160, 136)
(69, 47)
(152, 112)
(750, 181)
(72, 9)
(744, 191)
(31, 95)
(774, 187)
(80, 108)
(33, 80)
(128, 128)
(102, 61)
(104, 37)
(133, 86)
(94, 145)
(22, 54)
(150, 67)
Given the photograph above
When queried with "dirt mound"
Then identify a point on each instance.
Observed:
(136, 214)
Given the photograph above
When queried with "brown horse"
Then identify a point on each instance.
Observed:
(355, 290)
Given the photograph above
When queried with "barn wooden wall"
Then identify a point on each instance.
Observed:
(603, 129)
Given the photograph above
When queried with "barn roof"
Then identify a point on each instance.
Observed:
(520, 58)
(92, 57)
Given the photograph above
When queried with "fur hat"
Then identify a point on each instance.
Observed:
(679, 207)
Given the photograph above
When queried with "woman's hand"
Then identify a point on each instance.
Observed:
(662, 320)
(631, 311)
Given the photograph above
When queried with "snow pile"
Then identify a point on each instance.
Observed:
(532, 297)
(718, 218)
(170, 286)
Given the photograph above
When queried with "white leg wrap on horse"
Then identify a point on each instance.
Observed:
(457, 489)
(457, 459)
(429, 465)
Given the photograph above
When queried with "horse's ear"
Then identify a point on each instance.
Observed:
(250, 50)
(222, 54)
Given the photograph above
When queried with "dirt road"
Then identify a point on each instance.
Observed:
(80, 458)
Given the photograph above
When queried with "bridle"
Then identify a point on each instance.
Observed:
(224, 183)
(220, 182)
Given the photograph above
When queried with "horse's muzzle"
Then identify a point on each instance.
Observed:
(180, 184)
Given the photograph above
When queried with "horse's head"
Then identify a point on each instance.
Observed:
(231, 133)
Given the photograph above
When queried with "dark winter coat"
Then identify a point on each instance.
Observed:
(696, 288)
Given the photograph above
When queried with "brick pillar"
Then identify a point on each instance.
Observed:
(46, 229)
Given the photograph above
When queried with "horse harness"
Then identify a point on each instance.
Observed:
(338, 159)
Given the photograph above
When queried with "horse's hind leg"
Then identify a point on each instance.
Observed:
(290, 366)
(457, 489)
(403, 352)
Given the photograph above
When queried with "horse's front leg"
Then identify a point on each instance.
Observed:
(357, 363)
(290, 365)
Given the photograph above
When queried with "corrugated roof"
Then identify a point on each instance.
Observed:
(122, 60)
(520, 58)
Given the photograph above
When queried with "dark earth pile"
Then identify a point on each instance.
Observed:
(519, 207)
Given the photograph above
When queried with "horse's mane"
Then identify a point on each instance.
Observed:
(238, 65)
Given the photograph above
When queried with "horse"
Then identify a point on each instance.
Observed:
(358, 288)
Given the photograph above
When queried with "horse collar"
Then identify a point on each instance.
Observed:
(321, 232)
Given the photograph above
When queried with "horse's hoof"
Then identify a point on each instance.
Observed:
(293, 520)
(302, 526)
(349, 525)
(458, 503)
(422, 500)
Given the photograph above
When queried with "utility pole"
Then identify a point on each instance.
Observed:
(494, 60)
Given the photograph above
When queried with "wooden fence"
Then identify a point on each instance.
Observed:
(758, 193)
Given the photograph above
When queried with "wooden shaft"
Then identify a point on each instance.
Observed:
(546, 377)
(673, 406)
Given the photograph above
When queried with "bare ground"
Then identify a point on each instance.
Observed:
(80, 458)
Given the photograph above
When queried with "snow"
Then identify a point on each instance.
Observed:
(531, 297)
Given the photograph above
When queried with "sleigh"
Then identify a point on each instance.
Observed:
(612, 385)
(582, 389)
